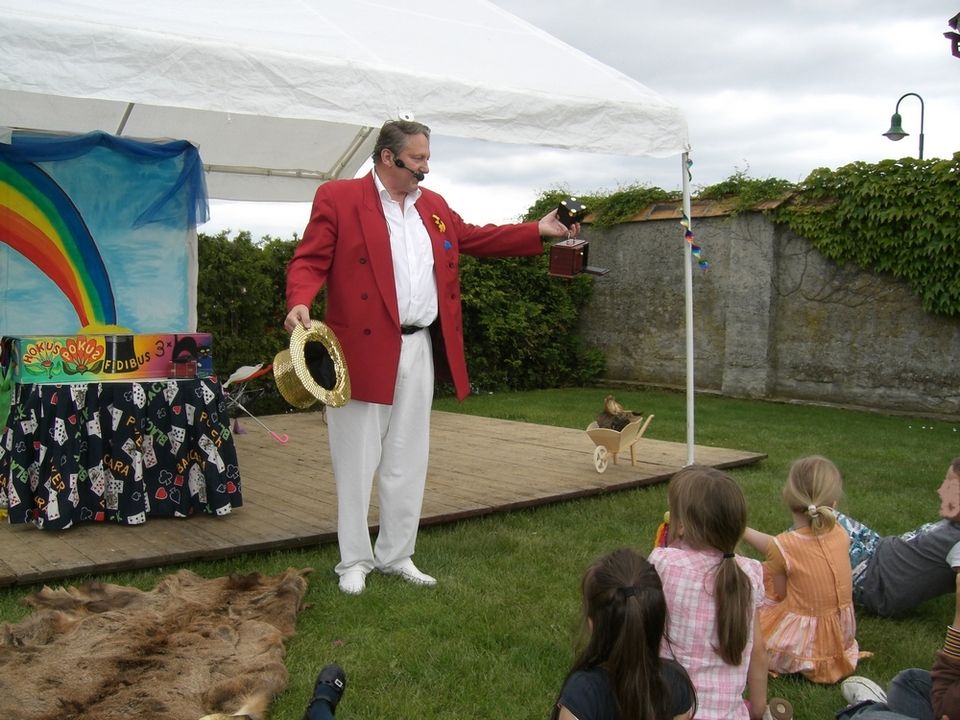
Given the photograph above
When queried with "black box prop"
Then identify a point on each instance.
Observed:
(568, 258)
(571, 211)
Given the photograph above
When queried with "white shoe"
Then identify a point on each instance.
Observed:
(857, 689)
(409, 572)
(353, 582)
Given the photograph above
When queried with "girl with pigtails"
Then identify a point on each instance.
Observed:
(618, 675)
(713, 597)
(807, 617)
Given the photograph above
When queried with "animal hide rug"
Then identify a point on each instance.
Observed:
(187, 648)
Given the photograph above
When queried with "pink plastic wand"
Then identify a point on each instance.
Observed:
(282, 439)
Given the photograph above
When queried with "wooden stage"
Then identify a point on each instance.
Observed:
(477, 466)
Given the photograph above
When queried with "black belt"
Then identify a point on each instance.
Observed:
(411, 329)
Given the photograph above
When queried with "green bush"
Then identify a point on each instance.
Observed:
(519, 323)
(894, 216)
(240, 299)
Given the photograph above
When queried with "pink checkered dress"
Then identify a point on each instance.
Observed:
(687, 577)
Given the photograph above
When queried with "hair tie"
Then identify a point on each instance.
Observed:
(812, 510)
(629, 591)
(728, 555)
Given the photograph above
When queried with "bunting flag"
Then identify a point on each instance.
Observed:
(695, 249)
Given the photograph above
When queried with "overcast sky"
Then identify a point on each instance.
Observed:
(775, 89)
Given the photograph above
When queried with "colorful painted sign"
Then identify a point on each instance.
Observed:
(102, 358)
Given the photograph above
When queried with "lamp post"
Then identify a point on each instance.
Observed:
(896, 131)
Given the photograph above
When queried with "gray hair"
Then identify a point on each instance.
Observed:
(394, 136)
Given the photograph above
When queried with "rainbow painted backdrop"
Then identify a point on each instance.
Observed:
(40, 222)
(98, 235)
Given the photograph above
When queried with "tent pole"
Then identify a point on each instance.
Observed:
(688, 297)
(123, 120)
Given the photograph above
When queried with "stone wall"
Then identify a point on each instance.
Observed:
(773, 319)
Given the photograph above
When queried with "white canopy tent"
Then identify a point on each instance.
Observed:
(283, 95)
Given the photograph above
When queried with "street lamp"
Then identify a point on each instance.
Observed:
(896, 131)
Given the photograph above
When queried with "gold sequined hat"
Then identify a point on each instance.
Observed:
(312, 369)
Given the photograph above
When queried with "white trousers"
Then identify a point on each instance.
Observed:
(393, 443)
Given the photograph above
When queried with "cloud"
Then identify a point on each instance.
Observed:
(775, 89)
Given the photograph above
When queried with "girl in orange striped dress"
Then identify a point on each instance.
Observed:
(807, 617)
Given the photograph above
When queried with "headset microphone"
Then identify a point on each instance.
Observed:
(416, 173)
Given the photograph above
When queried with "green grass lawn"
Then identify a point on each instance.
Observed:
(495, 637)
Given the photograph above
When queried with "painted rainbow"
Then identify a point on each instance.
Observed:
(40, 221)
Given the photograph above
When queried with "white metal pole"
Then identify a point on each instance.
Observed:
(688, 297)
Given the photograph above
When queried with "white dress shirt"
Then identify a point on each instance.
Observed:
(412, 258)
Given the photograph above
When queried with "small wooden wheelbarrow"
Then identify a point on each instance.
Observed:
(612, 442)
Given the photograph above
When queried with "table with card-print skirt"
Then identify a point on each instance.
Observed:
(118, 452)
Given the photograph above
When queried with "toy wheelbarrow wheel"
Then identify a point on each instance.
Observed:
(600, 458)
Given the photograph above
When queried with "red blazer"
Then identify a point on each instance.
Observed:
(346, 247)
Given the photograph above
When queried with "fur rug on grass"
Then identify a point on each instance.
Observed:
(185, 649)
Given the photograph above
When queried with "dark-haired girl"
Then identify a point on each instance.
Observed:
(619, 675)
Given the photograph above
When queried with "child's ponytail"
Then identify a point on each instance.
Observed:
(734, 598)
(813, 488)
(634, 663)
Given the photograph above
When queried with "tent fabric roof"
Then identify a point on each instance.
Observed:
(293, 90)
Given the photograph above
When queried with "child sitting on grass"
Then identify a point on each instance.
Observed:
(893, 574)
(807, 617)
(619, 674)
(713, 596)
(913, 693)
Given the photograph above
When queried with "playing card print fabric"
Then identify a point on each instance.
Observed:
(117, 452)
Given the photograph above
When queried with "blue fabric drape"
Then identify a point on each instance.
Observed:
(34, 148)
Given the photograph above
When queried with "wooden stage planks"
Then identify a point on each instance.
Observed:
(477, 466)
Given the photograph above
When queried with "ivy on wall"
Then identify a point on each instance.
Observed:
(747, 191)
(895, 216)
(605, 210)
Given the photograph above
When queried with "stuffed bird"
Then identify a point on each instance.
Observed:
(614, 415)
(247, 372)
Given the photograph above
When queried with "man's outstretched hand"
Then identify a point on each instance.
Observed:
(550, 226)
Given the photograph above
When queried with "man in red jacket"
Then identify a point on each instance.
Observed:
(388, 253)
